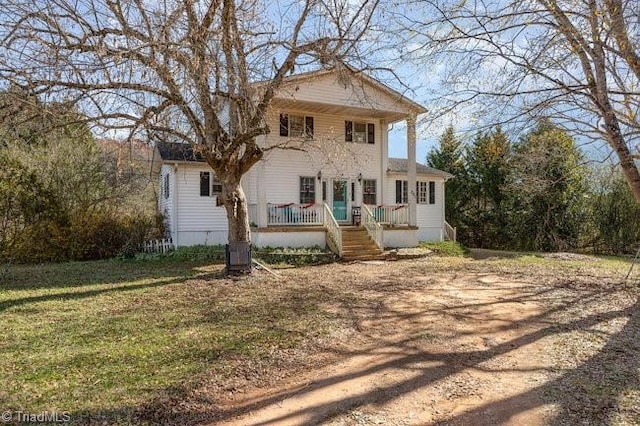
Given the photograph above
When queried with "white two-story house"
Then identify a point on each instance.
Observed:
(331, 170)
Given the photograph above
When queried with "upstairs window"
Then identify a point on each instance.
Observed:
(359, 132)
(307, 189)
(296, 126)
(369, 192)
(209, 185)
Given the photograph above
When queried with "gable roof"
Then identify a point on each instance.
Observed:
(401, 165)
(376, 84)
(173, 151)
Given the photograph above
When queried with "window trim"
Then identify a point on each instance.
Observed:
(166, 185)
(214, 186)
(285, 125)
(432, 192)
(422, 192)
(374, 193)
(311, 179)
(402, 197)
(369, 132)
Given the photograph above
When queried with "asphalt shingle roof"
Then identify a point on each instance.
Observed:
(400, 165)
(171, 151)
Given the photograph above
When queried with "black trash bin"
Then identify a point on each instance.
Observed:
(356, 216)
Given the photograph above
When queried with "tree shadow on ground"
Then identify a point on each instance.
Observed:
(590, 393)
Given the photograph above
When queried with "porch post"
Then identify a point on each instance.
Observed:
(382, 186)
(262, 197)
(411, 169)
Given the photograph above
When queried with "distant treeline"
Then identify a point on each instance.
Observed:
(536, 193)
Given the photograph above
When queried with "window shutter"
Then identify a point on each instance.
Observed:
(371, 133)
(432, 192)
(348, 131)
(308, 121)
(284, 125)
(205, 184)
(398, 192)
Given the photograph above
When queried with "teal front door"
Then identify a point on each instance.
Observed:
(340, 199)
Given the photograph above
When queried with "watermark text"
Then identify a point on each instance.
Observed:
(41, 417)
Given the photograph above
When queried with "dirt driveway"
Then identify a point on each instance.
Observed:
(458, 341)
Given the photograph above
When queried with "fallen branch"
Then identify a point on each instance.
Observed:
(263, 266)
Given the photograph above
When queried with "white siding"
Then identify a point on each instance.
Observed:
(328, 89)
(199, 220)
(328, 153)
(165, 205)
(430, 217)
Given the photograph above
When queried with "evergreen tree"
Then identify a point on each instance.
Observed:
(448, 157)
(488, 169)
(546, 190)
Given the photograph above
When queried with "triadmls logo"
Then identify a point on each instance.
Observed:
(45, 416)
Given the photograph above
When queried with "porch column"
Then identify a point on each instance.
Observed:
(411, 169)
(382, 187)
(262, 197)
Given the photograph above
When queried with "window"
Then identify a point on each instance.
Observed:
(401, 192)
(432, 192)
(296, 126)
(359, 132)
(353, 192)
(307, 190)
(369, 191)
(165, 186)
(205, 184)
(209, 185)
(423, 193)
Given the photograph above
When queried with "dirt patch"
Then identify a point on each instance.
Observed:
(456, 342)
(571, 256)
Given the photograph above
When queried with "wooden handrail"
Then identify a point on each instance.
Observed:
(374, 229)
(334, 233)
(450, 233)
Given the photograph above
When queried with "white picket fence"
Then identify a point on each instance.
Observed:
(158, 246)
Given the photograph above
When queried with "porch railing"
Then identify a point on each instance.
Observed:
(374, 229)
(449, 232)
(295, 214)
(394, 214)
(334, 234)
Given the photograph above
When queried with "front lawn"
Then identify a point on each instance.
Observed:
(101, 339)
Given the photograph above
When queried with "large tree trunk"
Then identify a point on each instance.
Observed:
(627, 163)
(237, 212)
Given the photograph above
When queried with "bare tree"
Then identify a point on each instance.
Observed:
(201, 72)
(576, 61)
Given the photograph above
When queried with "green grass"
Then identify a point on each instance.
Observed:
(445, 248)
(108, 336)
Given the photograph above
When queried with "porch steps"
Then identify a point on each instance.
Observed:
(357, 245)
